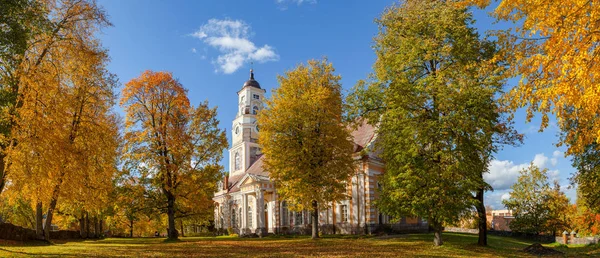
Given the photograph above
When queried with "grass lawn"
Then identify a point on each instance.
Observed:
(414, 245)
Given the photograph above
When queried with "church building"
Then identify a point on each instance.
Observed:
(246, 200)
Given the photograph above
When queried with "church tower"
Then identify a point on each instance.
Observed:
(244, 146)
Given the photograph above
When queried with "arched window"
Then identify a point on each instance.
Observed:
(238, 160)
(284, 214)
(254, 110)
(249, 216)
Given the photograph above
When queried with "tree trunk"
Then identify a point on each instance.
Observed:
(51, 207)
(96, 231)
(131, 228)
(182, 235)
(437, 236)
(315, 220)
(2, 171)
(82, 225)
(101, 232)
(49, 213)
(87, 225)
(39, 221)
(482, 220)
(333, 216)
(172, 234)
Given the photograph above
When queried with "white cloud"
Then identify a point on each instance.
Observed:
(540, 160)
(232, 39)
(194, 50)
(504, 173)
(555, 155)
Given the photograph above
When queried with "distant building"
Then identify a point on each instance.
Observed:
(247, 202)
(500, 219)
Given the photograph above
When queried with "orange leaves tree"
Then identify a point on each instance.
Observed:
(306, 145)
(176, 145)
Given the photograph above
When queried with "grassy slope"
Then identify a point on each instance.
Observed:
(417, 245)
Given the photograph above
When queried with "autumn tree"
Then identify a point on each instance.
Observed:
(586, 222)
(529, 201)
(180, 145)
(306, 145)
(61, 117)
(433, 98)
(23, 23)
(560, 210)
(552, 48)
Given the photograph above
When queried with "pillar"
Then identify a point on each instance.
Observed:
(261, 229)
(244, 214)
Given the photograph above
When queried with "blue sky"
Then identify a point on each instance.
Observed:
(208, 46)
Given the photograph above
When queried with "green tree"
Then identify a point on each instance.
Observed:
(307, 146)
(587, 176)
(529, 201)
(432, 97)
(177, 144)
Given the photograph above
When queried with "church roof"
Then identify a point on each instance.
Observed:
(251, 82)
(363, 135)
(256, 167)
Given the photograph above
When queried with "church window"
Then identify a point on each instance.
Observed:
(242, 99)
(249, 216)
(255, 110)
(238, 161)
(255, 96)
(237, 130)
(344, 209)
(284, 214)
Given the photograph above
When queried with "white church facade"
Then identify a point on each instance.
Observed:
(247, 202)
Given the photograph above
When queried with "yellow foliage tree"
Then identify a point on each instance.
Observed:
(553, 48)
(63, 143)
(307, 146)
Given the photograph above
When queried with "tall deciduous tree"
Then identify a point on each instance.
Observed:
(529, 201)
(307, 147)
(433, 99)
(23, 22)
(179, 144)
(62, 118)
